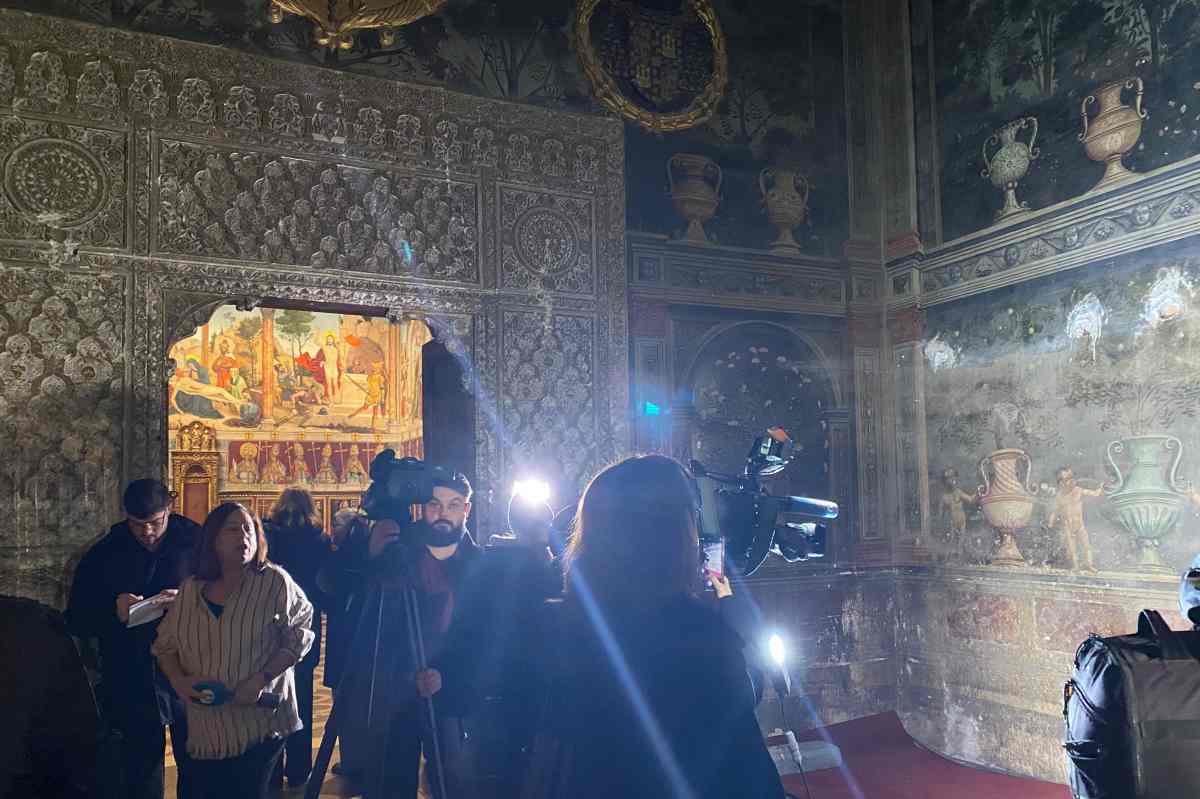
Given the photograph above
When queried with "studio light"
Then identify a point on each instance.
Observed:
(533, 491)
(777, 649)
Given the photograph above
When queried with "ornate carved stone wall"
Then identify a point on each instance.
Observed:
(147, 181)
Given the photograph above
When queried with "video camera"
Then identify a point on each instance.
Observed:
(738, 513)
(396, 485)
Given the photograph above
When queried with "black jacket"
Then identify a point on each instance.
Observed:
(662, 692)
(48, 741)
(449, 651)
(131, 689)
(302, 551)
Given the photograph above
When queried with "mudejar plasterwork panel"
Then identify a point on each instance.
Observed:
(255, 206)
(173, 178)
(547, 392)
(62, 384)
(547, 241)
(62, 176)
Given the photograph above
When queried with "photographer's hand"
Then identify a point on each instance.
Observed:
(384, 533)
(428, 682)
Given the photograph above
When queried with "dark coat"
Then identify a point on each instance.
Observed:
(302, 551)
(447, 649)
(656, 687)
(132, 689)
(343, 585)
(48, 741)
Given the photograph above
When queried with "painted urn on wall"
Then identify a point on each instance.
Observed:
(695, 182)
(1114, 130)
(1010, 162)
(1007, 500)
(1147, 496)
(785, 195)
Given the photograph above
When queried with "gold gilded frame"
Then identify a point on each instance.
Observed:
(196, 445)
(609, 95)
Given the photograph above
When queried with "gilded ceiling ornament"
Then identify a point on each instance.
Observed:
(665, 70)
(337, 21)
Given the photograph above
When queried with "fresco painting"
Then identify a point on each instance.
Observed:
(1003, 60)
(1071, 401)
(340, 387)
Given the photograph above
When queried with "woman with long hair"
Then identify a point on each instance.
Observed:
(228, 645)
(650, 693)
(299, 545)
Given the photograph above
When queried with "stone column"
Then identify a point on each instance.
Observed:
(841, 482)
(397, 341)
(911, 485)
(651, 376)
(267, 351)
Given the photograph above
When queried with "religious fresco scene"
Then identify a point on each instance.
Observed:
(339, 389)
(1076, 396)
(1011, 60)
(770, 164)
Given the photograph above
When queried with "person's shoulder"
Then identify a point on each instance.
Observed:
(21, 613)
(279, 578)
(106, 542)
(185, 527)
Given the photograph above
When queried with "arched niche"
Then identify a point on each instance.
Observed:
(747, 376)
(447, 357)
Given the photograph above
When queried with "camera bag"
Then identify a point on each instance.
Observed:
(1132, 712)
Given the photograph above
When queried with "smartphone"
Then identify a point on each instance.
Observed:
(714, 557)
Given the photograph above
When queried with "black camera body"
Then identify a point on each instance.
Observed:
(396, 485)
(737, 510)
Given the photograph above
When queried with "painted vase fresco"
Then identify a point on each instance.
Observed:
(1007, 500)
(1148, 497)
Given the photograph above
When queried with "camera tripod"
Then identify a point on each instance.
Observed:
(416, 645)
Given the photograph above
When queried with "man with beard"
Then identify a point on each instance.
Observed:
(442, 557)
(146, 555)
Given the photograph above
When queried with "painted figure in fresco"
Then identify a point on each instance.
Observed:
(954, 514)
(275, 472)
(224, 365)
(300, 471)
(246, 468)
(192, 394)
(1067, 516)
(326, 368)
(355, 472)
(237, 385)
(363, 350)
(376, 393)
(325, 472)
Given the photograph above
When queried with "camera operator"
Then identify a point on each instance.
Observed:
(442, 556)
(147, 554)
(650, 694)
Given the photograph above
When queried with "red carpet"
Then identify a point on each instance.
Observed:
(885, 763)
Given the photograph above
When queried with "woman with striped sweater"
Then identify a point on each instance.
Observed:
(228, 646)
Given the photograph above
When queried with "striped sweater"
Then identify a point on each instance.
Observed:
(267, 612)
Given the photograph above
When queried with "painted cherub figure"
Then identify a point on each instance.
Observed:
(1067, 517)
(953, 506)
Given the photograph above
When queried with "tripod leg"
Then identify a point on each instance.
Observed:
(317, 778)
(417, 644)
(313, 789)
